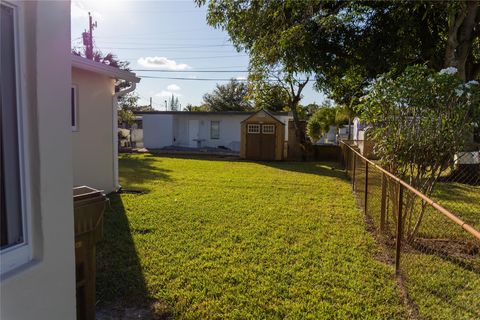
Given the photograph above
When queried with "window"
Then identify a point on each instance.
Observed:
(13, 223)
(268, 128)
(253, 128)
(73, 108)
(214, 129)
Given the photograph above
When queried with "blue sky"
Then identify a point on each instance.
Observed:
(171, 36)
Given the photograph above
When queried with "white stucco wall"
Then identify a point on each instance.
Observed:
(229, 130)
(157, 130)
(356, 128)
(45, 287)
(162, 130)
(93, 141)
(329, 137)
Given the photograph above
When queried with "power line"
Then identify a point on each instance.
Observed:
(171, 47)
(209, 79)
(206, 71)
(166, 42)
(193, 79)
(197, 58)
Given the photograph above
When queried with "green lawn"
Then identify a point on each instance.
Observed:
(461, 199)
(231, 239)
(442, 277)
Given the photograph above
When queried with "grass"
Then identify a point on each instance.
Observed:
(442, 277)
(461, 199)
(235, 240)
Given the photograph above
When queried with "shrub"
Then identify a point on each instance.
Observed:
(320, 122)
(419, 120)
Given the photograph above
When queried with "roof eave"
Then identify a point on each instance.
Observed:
(89, 65)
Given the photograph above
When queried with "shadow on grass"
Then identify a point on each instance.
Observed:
(463, 194)
(121, 289)
(331, 169)
(327, 169)
(194, 156)
(135, 172)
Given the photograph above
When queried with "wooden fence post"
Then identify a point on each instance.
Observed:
(383, 204)
(366, 187)
(354, 169)
(399, 228)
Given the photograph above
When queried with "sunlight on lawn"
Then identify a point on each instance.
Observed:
(227, 239)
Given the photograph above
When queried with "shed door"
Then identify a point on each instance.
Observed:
(193, 128)
(268, 142)
(253, 141)
(260, 141)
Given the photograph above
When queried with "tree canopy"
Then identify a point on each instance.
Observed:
(320, 122)
(346, 44)
(270, 96)
(232, 96)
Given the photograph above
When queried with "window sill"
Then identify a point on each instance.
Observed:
(14, 258)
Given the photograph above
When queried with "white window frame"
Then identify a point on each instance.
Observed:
(19, 254)
(250, 126)
(268, 126)
(75, 106)
(218, 133)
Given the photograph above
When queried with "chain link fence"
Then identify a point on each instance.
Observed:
(433, 243)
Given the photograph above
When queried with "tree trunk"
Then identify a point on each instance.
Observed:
(461, 34)
(349, 127)
(296, 123)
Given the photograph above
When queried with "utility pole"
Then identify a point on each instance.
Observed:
(150, 102)
(88, 37)
(165, 105)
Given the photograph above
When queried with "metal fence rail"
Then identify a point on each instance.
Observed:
(436, 253)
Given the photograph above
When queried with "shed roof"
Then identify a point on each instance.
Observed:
(268, 113)
(101, 68)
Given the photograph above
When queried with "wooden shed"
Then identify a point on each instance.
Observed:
(262, 137)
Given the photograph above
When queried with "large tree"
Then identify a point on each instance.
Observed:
(290, 83)
(267, 95)
(334, 38)
(232, 96)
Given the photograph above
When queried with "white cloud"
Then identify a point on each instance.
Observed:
(173, 87)
(162, 63)
(241, 78)
(167, 94)
(80, 11)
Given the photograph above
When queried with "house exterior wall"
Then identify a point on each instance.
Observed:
(357, 128)
(157, 130)
(229, 130)
(162, 130)
(93, 141)
(329, 137)
(44, 288)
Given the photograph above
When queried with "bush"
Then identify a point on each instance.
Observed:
(320, 122)
(419, 120)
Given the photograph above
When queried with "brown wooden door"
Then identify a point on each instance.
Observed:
(268, 142)
(253, 148)
(260, 142)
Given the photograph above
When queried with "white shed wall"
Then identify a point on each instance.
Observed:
(157, 130)
(229, 130)
(162, 130)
